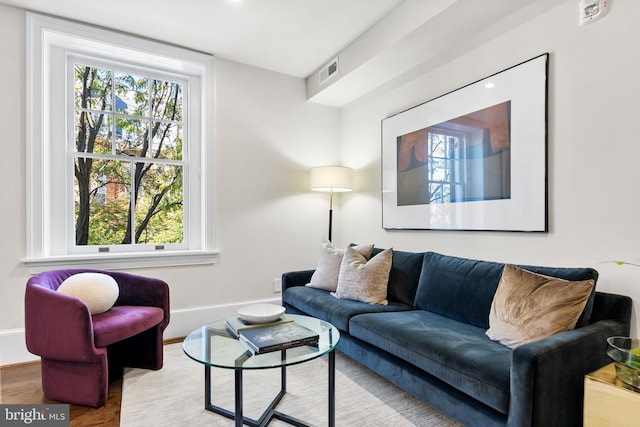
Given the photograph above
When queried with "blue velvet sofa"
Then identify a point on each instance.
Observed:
(430, 340)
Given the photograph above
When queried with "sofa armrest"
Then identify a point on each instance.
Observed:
(143, 291)
(612, 307)
(296, 278)
(547, 376)
(58, 326)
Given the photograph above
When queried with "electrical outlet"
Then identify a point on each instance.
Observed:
(277, 286)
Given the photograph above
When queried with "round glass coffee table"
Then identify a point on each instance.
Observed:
(215, 346)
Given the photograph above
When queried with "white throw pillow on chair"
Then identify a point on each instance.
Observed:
(97, 290)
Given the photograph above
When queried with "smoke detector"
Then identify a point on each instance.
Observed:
(592, 10)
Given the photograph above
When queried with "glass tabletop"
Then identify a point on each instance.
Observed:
(215, 345)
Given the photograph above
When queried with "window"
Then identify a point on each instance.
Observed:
(445, 166)
(118, 176)
(128, 163)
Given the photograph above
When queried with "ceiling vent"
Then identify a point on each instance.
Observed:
(328, 71)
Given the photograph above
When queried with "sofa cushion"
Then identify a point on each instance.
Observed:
(456, 353)
(404, 275)
(529, 306)
(320, 304)
(124, 321)
(459, 288)
(364, 280)
(326, 273)
(463, 289)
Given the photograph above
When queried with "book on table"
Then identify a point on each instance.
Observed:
(278, 337)
(237, 324)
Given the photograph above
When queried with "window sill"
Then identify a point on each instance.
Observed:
(122, 261)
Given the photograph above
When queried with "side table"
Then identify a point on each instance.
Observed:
(608, 401)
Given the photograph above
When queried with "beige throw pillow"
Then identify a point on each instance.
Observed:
(326, 274)
(529, 306)
(363, 280)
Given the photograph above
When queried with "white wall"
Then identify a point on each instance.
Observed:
(594, 110)
(266, 138)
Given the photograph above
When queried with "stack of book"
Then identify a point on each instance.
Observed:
(279, 335)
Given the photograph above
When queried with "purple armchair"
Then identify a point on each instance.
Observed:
(78, 350)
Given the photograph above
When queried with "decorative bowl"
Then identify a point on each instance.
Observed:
(261, 313)
(625, 352)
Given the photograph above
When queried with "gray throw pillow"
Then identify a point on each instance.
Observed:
(363, 280)
(326, 274)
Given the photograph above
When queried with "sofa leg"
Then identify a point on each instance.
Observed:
(76, 382)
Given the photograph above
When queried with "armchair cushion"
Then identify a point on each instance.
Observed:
(122, 322)
(98, 291)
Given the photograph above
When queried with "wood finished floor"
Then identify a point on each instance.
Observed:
(21, 384)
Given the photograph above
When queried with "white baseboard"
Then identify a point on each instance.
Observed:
(14, 350)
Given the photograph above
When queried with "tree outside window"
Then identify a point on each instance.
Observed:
(128, 159)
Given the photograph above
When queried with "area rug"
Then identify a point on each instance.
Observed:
(174, 395)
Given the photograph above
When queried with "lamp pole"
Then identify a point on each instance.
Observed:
(331, 179)
(330, 212)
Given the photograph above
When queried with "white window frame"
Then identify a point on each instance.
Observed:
(51, 42)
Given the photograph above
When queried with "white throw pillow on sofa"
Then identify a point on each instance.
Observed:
(98, 291)
(326, 274)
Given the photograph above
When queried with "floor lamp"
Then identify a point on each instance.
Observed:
(332, 179)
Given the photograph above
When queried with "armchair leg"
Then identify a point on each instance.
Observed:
(76, 382)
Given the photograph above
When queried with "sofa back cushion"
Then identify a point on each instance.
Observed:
(463, 289)
(458, 288)
(404, 275)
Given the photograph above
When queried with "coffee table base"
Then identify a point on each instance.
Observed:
(270, 413)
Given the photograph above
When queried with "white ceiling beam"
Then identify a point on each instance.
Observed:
(388, 51)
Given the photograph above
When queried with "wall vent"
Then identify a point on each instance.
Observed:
(328, 71)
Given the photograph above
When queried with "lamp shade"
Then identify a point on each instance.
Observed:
(332, 178)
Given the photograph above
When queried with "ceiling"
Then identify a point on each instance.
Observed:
(377, 41)
(293, 37)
